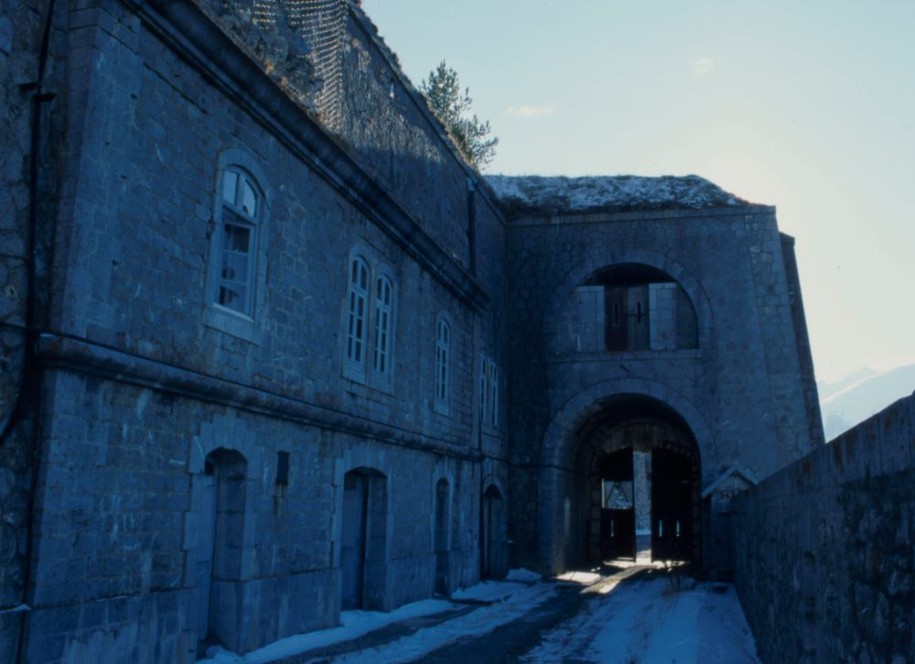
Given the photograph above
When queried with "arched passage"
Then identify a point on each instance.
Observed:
(631, 466)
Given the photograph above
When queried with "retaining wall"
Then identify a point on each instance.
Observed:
(825, 548)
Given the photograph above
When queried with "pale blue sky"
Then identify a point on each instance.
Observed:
(805, 105)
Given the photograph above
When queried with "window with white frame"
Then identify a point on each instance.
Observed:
(442, 362)
(384, 303)
(239, 214)
(357, 304)
(369, 321)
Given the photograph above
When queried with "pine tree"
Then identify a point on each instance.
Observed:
(452, 107)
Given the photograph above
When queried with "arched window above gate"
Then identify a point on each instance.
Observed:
(633, 307)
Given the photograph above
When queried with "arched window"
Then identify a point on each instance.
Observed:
(442, 363)
(634, 307)
(238, 216)
(369, 310)
(356, 316)
(384, 305)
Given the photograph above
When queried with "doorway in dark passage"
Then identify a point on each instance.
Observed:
(671, 506)
(493, 558)
(363, 539)
(442, 561)
(642, 496)
(617, 510)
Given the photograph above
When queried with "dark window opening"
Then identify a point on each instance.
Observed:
(282, 468)
(645, 309)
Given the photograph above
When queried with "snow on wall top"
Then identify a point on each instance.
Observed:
(535, 194)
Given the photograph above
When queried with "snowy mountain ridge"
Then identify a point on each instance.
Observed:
(847, 402)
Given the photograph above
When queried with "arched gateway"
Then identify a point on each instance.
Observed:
(621, 479)
(641, 482)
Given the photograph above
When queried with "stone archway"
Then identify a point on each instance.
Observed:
(634, 415)
(644, 482)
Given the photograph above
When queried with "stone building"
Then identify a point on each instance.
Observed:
(273, 350)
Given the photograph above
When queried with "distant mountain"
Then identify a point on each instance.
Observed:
(853, 399)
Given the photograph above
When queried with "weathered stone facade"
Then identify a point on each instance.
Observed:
(735, 387)
(271, 353)
(826, 548)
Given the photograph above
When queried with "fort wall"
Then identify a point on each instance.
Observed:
(165, 415)
(825, 549)
(740, 387)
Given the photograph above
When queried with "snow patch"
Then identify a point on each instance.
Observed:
(522, 576)
(354, 624)
(487, 591)
(646, 622)
(621, 193)
(584, 578)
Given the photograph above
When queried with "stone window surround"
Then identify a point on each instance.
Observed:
(242, 325)
(489, 392)
(365, 370)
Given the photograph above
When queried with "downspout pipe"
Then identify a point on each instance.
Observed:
(38, 99)
(29, 382)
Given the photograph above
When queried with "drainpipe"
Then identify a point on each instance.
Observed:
(29, 381)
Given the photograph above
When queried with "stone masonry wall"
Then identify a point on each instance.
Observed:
(741, 389)
(143, 376)
(825, 549)
(117, 529)
(29, 69)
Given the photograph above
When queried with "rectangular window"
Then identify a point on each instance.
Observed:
(382, 338)
(355, 328)
(282, 468)
(484, 387)
(442, 362)
(494, 393)
(238, 218)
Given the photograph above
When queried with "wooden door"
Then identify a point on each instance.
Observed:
(352, 550)
(671, 506)
(204, 496)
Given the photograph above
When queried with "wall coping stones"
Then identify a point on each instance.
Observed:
(187, 30)
(742, 213)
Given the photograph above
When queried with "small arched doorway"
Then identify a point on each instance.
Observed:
(364, 539)
(218, 499)
(442, 553)
(640, 495)
(493, 554)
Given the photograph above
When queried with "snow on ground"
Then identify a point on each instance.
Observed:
(359, 623)
(580, 577)
(496, 591)
(355, 624)
(641, 621)
(477, 623)
(644, 621)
